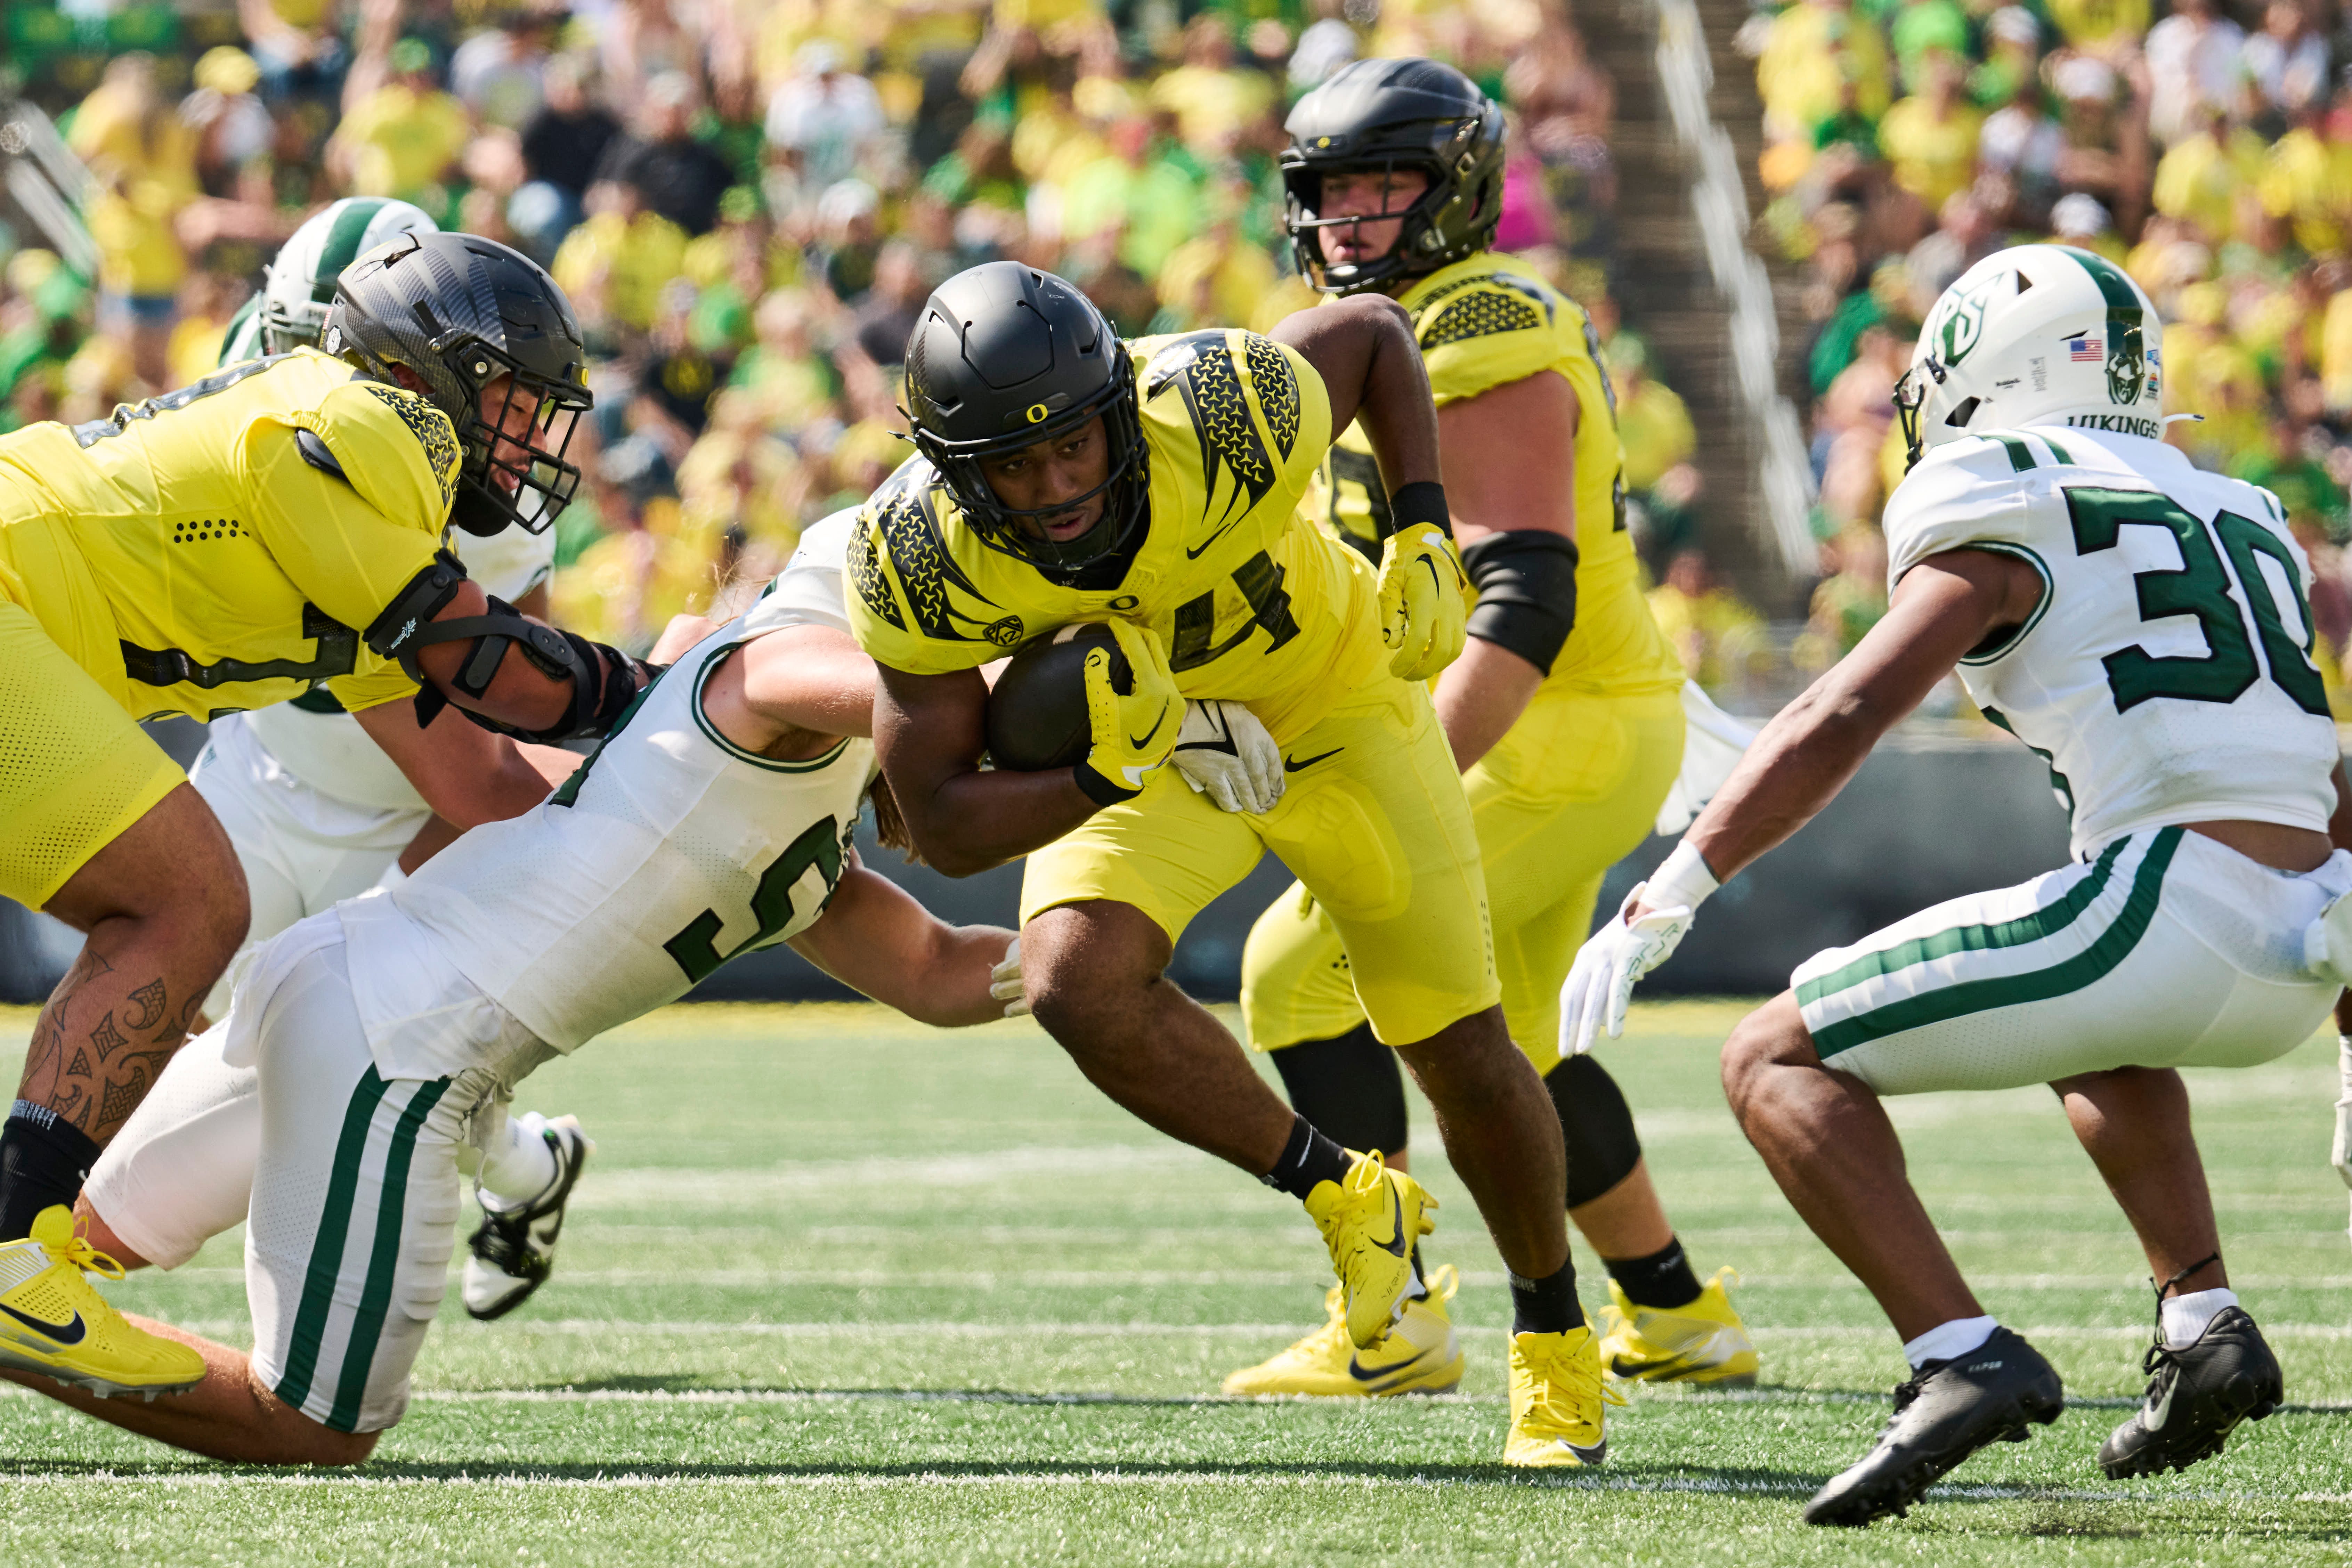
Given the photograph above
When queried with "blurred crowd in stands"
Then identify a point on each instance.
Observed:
(2208, 151)
(749, 200)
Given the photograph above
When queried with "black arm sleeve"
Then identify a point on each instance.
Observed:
(1527, 593)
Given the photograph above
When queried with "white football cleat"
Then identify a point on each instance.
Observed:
(512, 1251)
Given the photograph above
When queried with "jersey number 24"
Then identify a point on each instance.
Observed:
(2203, 586)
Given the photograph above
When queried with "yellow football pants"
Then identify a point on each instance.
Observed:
(1570, 790)
(75, 771)
(1373, 819)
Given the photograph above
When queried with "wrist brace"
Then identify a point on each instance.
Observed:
(1423, 501)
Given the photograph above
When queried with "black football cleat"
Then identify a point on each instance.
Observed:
(1947, 1412)
(2197, 1394)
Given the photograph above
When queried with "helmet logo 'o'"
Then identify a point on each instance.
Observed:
(1036, 413)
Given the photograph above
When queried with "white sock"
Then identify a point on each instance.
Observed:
(1945, 1341)
(2186, 1317)
(518, 1165)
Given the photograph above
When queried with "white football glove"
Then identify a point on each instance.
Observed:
(1005, 982)
(1601, 985)
(1225, 753)
(2340, 1156)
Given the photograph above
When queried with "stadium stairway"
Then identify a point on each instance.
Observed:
(1670, 293)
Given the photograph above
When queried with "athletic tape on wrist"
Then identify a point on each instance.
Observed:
(1683, 881)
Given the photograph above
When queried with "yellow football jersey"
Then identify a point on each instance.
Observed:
(1253, 601)
(201, 554)
(1485, 322)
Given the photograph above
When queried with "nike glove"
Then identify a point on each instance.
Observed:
(1601, 985)
(1005, 982)
(1424, 615)
(1134, 729)
(1224, 753)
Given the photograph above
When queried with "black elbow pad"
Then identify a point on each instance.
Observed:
(1527, 593)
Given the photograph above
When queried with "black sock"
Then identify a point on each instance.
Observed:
(1307, 1159)
(1662, 1280)
(44, 1159)
(1546, 1306)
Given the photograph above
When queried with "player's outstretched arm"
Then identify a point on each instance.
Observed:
(1946, 606)
(929, 731)
(808, 678)
(876, 938)
(466, 773)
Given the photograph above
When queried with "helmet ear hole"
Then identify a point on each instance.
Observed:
(1962, 412)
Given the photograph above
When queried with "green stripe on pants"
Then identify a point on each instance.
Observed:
(327, 1250)
(2041, 923)
(384, 1261)
(2115, 945)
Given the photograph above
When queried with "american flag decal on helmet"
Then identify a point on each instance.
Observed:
(2086, 351)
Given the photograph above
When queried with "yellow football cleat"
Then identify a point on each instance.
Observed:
(53, 1321)
(1418, 1355)
(1557, 1401)
(1703, 1342)
(1370, 1222)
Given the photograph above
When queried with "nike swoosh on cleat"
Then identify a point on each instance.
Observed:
(1290, 767)
(1375, 1380)
(1139, 741)
(1593, 1455)
(1397, 1247)
(67, 1333)
(2159, 1411)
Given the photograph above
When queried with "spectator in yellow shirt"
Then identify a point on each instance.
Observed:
(401, 139)
(2307, 179)
(1718, 639)
(2102, 26)
(2198, 180)
(1653, 426)
(144, 157)
(1930, 138)
(1211, 101)
(1814, 46)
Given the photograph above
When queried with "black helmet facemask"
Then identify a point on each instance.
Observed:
(1392, 117)
(1003, 359)
(460, 312)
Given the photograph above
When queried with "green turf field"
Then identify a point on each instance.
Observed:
(841, 1287)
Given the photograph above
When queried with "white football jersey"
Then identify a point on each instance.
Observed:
(327, 750)
(2166, 675)
(670, 851)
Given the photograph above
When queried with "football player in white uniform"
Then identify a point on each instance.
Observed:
(387, 1034)
(316, 810)
(2143, 627)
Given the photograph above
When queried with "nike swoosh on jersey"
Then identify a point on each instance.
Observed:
(66, 1334)
(1222, 529)
(1290, 767)
(1139, 741)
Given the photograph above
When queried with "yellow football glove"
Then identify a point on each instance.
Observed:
(1134, 731)
(1424, 612)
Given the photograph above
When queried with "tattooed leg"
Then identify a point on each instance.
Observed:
(163, 907)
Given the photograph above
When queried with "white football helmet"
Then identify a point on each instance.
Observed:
(298, 284)
(2036, 334)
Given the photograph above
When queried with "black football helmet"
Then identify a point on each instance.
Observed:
(1006, 356)
(460, 312)
(1380, 115)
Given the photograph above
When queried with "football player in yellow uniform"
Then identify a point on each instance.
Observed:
(1564, 711)
(269, 529)
(1066, 477)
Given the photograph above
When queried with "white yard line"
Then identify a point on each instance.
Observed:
(622, 1478)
